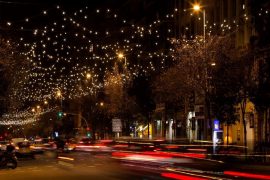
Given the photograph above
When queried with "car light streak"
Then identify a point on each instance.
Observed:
(66, 158)
(246, 175)
(180, 177)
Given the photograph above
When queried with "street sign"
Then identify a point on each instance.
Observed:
(216, 125)
(116, 125)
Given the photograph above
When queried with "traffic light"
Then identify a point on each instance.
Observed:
(88, 134)
(60, 114)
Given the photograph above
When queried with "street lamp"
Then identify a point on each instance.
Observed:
(121, 56)
(88, 76)
(101, 104)
(59, 94)
(197, 8)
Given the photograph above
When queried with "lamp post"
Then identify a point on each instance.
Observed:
(124, 104)
(121, 56)
(101, 104)
(197, 8)
(59, 94)
(89, 76)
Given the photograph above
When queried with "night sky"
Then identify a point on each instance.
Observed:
(134, 9)
(27, 16)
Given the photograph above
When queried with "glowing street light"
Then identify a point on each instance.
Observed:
(213, 64)
(58, 94)
(101, 103)
(197, 8)
(88, 76)
(121, 56)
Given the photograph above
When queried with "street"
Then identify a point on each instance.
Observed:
(85, 165)
(79, 166)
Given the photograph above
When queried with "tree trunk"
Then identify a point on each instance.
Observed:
(243, 111)
(208, 119)
(265, 125)
(227, 134)
(148, 128)
(209, 130)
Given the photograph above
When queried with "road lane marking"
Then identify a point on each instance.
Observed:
(91, 166)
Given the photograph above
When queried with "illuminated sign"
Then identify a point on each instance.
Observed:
(216, 125)
(56, 134)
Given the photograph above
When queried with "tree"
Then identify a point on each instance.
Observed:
(13, 69)
(261, 67)
(224, 96)
(245, 86)
(260, 90)
(120, 103)
(205, 69)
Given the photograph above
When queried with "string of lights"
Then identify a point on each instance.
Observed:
(67, 48)
(22, 117)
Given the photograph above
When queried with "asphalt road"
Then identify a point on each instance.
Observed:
(85, 165)
(74, 166)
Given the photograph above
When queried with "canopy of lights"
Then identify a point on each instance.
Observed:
(73, 52)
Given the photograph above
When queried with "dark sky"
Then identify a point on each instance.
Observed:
(10, 9)
(141, 12)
